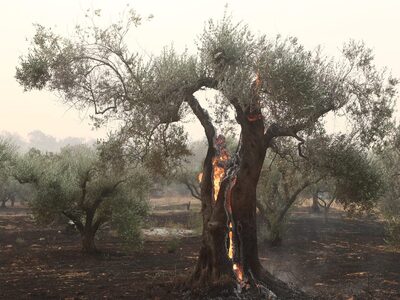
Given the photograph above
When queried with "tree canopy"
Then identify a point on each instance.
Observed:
(292, 87)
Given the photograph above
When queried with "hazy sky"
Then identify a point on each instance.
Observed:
(326, 23)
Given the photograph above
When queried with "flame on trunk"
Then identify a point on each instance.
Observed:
(230, 250)
(219, 164)
(238, 271)
(234, 257)
(200, 177)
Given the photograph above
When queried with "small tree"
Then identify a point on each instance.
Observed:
(328, 167)
(283, 178)
(324, 194)
(80, 185)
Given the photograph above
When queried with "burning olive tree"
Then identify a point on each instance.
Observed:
(275, 87)
(79, 185)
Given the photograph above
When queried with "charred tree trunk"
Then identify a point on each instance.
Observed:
(229, 239)
(213, 260)
(251, 158)
(239, 186)
(237, 191)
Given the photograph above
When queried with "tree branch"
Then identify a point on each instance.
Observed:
(275, 130)
(194, 191)
(74, 219)
(202, 116)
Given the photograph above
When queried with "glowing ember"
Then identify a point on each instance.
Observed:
(238, 272)
(200, 177)
(253, 118)
(230, 250)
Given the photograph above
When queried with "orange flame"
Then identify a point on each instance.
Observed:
(218, 173)
(237, 269)
(219, 166)
(200, 177)
(218, 163)
(230, 250)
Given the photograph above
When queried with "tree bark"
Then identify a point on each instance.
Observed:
(88, 244)
(89, 231)
(238, 187)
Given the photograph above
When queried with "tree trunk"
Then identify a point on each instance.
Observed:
(232, 217)
(326, 211)
(3, 203)
(88, 244)
(315, 205)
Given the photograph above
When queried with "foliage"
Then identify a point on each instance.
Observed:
(95, 68)
(355, 187)
(7, 163)
(297, 87)
(79, 185)
(390, 199)
(284, 177)
(328, 167)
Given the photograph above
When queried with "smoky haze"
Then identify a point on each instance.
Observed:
(42, 141)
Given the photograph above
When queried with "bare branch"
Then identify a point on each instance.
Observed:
(203, 117)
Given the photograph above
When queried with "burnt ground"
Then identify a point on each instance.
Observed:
(338, 259)
(341, 259)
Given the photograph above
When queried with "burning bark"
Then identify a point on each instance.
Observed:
(219, 162)
(225, 169)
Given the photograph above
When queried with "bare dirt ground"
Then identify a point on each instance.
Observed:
(341, 259)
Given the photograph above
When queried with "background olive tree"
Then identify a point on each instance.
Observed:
(328, 167)
(80, 185)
